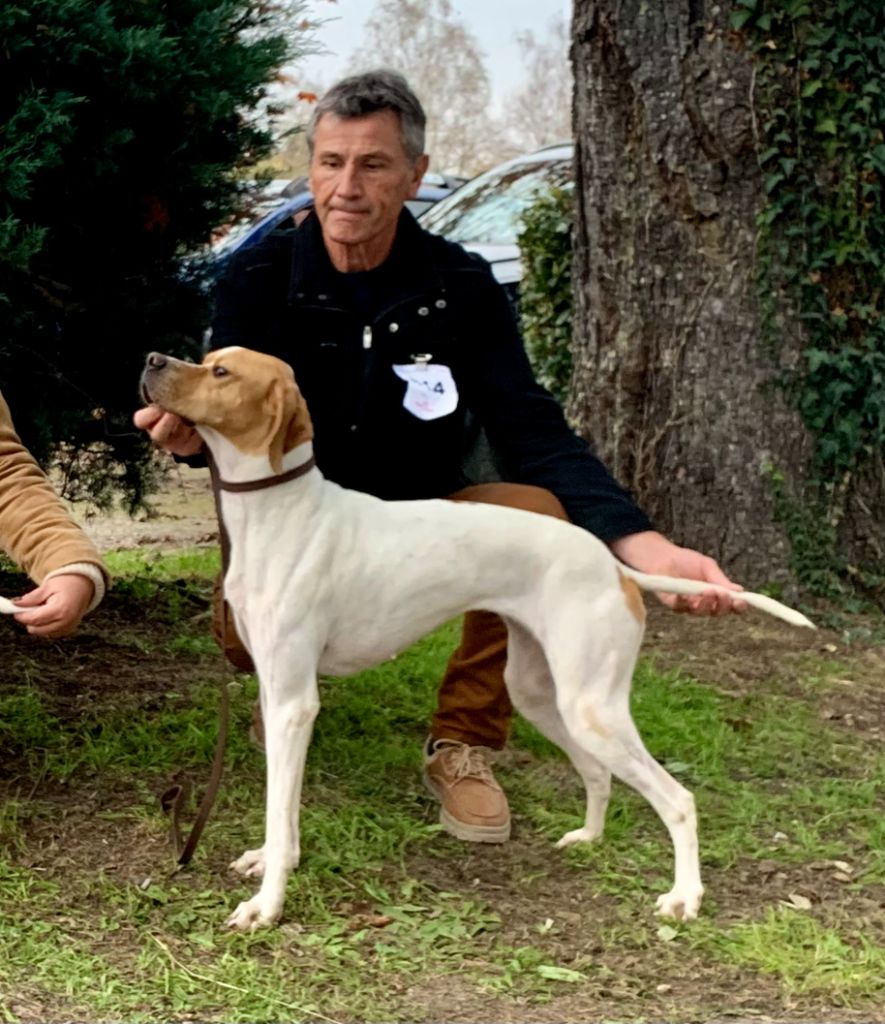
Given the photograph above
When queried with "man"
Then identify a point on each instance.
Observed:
(403, 344)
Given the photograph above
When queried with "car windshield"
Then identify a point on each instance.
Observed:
(487, 210)
(229, 236)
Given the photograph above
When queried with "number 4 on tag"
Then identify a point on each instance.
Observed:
(430, 390)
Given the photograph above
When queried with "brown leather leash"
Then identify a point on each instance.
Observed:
(175, 797)
(172, 801)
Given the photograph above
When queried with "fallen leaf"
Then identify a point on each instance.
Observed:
(554, 973)
(360, 921)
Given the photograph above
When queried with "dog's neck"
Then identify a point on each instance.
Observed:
(235, 466)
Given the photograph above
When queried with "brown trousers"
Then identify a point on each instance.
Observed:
(472, 704)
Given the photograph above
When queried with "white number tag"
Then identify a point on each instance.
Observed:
(430, 391)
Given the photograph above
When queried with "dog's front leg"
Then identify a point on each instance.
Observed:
(288, 721)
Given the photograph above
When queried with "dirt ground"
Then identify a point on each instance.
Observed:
(733, 660)
(181, 514)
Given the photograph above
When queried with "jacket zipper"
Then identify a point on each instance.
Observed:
(364, 391)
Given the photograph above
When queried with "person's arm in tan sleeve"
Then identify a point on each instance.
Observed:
(38, 533)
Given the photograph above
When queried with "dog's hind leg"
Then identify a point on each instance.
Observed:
(596, 712)
(289, 707)
(533, 692)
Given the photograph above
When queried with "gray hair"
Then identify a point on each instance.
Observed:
(369, 92)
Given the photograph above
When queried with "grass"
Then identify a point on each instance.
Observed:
(387, 918)
(809, 957)
(186, 564)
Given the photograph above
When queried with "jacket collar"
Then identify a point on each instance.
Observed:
(411, 262)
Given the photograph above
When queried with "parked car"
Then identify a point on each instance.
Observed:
(484, 215)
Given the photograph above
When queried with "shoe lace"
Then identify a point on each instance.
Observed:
(472, 762)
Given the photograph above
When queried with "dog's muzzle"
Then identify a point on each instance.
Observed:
(154, 365)
(156, 380)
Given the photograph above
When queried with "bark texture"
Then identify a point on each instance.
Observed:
(673, 384)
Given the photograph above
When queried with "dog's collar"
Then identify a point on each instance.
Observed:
(238, 487)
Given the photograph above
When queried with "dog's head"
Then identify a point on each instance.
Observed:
(247, 397)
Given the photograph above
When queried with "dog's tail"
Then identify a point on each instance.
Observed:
(674, 585)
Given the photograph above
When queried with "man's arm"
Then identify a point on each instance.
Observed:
(529, 432)
(526, 426)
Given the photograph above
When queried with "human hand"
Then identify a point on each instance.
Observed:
(168, 431)
(651, 552)
(56, 607)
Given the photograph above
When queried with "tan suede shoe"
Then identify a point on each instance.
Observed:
(474, 807)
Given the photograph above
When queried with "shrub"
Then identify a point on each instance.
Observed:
(546, 288)
(124, 128)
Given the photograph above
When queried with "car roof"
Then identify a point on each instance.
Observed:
(556, 151)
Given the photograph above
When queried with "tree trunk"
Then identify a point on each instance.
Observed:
(673, 383)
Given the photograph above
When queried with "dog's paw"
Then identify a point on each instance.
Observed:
(682, 906)
(578, 835)
(251, 864)
(252, 914)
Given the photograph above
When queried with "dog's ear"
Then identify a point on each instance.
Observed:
(285, 430)
(280, 406)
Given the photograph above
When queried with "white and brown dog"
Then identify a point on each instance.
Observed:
(327, 580)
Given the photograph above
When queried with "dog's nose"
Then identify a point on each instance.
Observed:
(156, 361)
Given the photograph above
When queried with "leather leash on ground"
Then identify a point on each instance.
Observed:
(174, 798)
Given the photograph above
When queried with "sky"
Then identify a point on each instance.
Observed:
(494, 24)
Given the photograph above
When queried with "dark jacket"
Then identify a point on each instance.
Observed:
(344, 333)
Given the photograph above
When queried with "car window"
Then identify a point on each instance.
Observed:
(228, 236)
(487, 210)
(279, 218)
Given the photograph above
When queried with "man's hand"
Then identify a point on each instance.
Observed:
(650, 552)
(168, 431)
(56, 607)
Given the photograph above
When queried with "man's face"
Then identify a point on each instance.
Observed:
(360, 177)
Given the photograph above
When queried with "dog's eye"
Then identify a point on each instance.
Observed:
(219, 371)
